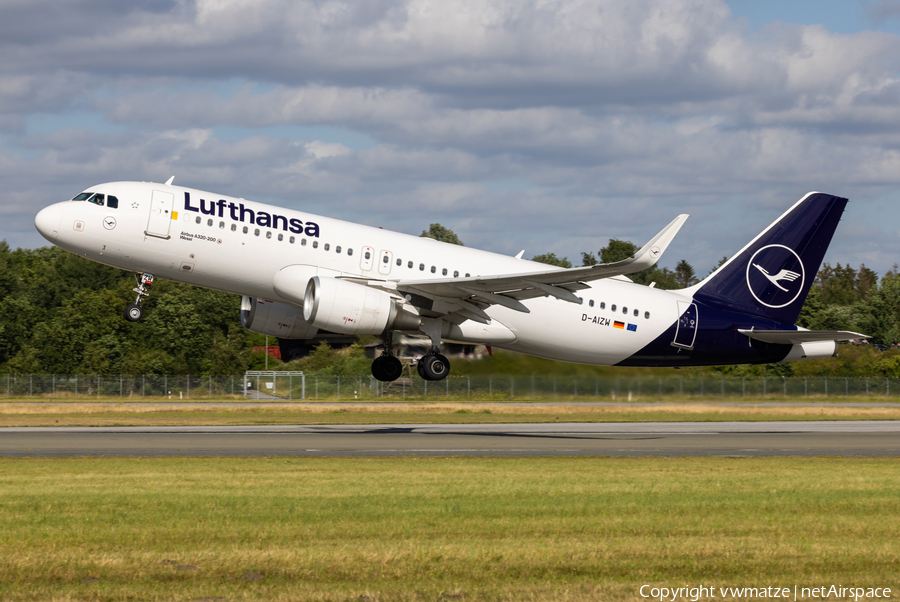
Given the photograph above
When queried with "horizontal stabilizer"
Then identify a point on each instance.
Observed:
(796, 337)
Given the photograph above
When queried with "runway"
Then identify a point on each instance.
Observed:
(788, 438)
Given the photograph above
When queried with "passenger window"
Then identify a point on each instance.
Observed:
(302, 242)
(256, 232)
(268, 235)
(280, 237)
(209, 222)
(112, 202)
(421, 267)
(221, 225)
(612, 307)
(635, 313)
(233, 227)
(591, 303)
(467, 274)
(315, 244)
(350, 251)
(433, 269)
(245, 229)
(409, 265)
(444, 272)
(327, 246)
(456, 273)
(337, 249)
(291, 240)
(603, 305)
(197, 221)
(399, 262)
(646, 315)
(97, 199)
(624, 310)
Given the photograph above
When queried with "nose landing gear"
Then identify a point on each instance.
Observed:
(135, 312)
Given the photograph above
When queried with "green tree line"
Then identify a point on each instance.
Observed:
(62, 314)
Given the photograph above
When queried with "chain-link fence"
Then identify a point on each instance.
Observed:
(288, 386)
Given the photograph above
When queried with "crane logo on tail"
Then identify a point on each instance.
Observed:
(782, 275)
(775, 276)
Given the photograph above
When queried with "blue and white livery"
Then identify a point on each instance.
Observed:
(301, 275)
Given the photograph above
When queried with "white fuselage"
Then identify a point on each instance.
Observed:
(199, 238)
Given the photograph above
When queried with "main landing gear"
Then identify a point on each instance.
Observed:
(433, 366)
(135, 312)
(387, 367)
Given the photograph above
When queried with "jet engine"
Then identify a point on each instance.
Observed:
(340, 306)
(275, 319)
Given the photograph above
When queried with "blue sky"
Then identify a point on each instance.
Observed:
(549, 125)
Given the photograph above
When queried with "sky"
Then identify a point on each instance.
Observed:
(543, 125)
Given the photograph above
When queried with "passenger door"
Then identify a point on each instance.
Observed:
(160, 214)
(686, 328)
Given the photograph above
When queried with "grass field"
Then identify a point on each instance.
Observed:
(554, 529)
(124, 414)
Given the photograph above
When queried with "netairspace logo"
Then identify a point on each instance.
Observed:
(822, 592)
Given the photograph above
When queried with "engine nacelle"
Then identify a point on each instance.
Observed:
(275, 319)
(341, 306)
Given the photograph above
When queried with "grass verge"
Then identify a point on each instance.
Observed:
(421, 529)
(88, 414)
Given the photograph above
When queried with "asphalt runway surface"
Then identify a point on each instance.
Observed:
(788, 438)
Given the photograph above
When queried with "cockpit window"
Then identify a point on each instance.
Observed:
(83, 196)
(112, 202)
(97, 199)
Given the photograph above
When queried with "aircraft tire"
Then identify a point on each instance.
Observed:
(391, 368)
(435, 367)
(134, 313)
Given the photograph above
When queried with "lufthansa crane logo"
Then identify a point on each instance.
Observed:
(775, 276)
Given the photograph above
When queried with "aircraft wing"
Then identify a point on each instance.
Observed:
(462, 299)
(795, 337)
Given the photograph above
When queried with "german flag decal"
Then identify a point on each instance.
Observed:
(619, 325)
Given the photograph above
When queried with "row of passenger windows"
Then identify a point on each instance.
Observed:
(327, 247)
(614, 308)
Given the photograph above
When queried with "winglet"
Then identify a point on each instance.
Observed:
(170, 180)
(649, 254)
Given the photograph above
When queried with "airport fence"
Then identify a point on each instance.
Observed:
(293, 386)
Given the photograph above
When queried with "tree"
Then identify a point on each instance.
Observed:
(552, 259)
(439, 232)
(684, 274)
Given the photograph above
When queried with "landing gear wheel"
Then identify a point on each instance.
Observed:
(133, 313)
(420, 368)
(391, 368)
(435, 367)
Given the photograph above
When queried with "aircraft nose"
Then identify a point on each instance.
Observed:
(47, 222)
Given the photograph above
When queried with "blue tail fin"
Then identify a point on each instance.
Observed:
(771, 276)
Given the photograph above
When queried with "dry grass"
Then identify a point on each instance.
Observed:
(95, 414)
(417, 529)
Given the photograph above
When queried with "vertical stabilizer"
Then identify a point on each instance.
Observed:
(771, 276)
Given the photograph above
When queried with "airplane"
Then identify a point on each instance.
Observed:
(301, 275)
